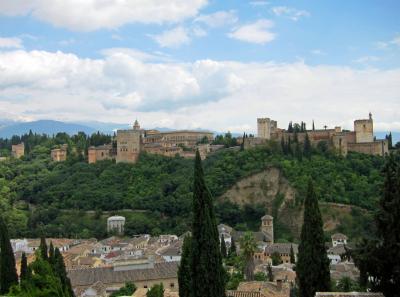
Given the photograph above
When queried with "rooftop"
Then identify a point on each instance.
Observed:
(106, 275)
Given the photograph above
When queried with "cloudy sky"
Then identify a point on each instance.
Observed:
(214, 64)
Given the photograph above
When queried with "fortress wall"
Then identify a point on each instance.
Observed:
(379, 147)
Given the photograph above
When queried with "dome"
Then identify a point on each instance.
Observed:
(267, 217)
(116, 218)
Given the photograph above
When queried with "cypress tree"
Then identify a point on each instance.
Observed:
(232, 248)
(24, 268)
(51, 254)
(312, 264)
(61, 273)
(379, 258)
(307, 147)
(289, 146)
(208, 275)
(313, 126)
(8, 272)
(298, 152)
(292, 258)
(283, 146)
(184, 271)
(270, 275)
(43, 249)
(223, 246)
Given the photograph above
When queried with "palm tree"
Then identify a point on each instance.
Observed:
(248, 247)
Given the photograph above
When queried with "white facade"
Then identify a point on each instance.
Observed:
(116, 223)
(334, 259)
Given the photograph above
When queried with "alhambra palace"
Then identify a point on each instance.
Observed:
(128, 144)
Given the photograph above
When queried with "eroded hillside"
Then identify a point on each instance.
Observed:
(272, 191)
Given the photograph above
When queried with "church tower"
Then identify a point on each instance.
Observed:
(267, 227)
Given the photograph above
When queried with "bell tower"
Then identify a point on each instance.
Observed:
(267, 227)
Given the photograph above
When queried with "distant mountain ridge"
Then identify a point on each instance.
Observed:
(50, 127)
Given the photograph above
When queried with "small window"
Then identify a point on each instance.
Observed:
(172, 285)
(145, 286)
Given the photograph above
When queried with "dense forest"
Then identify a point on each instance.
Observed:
(72, 198)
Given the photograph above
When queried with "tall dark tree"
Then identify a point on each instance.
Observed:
(24, 268)
(232, 248)
(379, 258)
(61, 272)
(223, 247)
(283, 146)
(242, 144)
(307, 147)
(208, 275)
(292, 257)
(184, 271)
(290, 127)
(312, 264)
(313, 126)
(390, 140)
(270, 275)
(51, 254)
(43, 249)
(8, 273)
(289, 146)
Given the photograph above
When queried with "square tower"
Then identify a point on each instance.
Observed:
(364, 130)
(264, 128)
(128, 145)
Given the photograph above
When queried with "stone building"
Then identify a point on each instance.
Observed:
(18, 150)
(59, 154)
(360, 140)
(267, 226)
(99, 153)
(131, 142)
(266, 127)
(116, 223)
(113, 279)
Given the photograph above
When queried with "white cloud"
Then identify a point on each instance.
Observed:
(89, 15)
(257, 32)
(216, 95)
(218, 19)
(173, 38)
(259, 3)
(67, 42)
(10, 42)
(367, 59)
(291, 13)
(318, 52)
(396, 41)
(385, 45)
(135, 54)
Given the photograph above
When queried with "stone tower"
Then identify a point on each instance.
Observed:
(136, 126)
(128, 144)
(364, 130)
(267, 227)
(263, 128)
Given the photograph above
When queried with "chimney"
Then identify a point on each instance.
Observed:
(279, 285)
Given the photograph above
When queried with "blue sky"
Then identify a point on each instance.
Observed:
(198, 63)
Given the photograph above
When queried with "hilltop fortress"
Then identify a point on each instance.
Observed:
(360, 140)
(131, 142)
